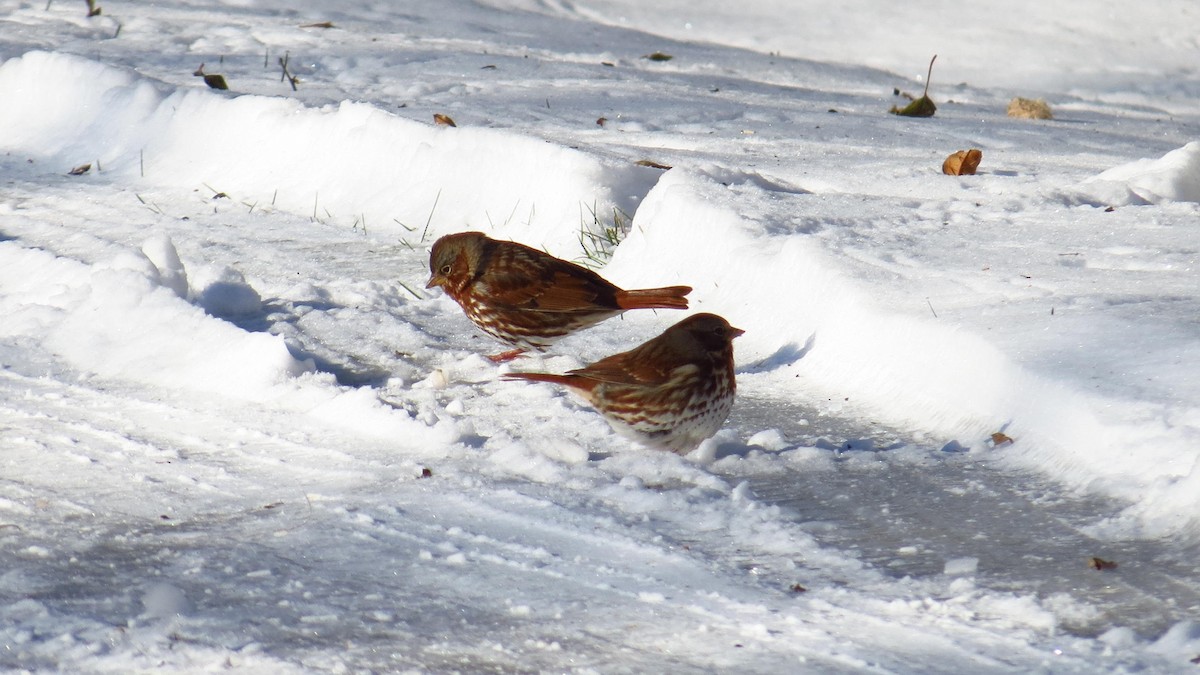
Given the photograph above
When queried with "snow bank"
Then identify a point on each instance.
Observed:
(349, 162)
(116, 319)
(1174, 177)
(816, 334)
(125, 319)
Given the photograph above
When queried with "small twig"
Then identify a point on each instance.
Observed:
(931, 307)
(142, 162)
(283, 63)
(93, 9)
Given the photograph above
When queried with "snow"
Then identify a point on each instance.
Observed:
(239, 434)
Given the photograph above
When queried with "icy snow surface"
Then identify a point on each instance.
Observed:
(237, 433)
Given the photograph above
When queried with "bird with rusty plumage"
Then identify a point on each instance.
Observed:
(669, 393)
(529, 299)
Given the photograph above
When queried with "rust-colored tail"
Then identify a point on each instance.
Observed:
(671, 297)
(572, 381)
(565, 380)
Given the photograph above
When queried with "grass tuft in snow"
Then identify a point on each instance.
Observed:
(599, 237)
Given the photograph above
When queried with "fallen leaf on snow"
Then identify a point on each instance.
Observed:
(216, 82)
(921, 107)
(439, 118)
(962, 163)
(213, 81)
(652, 164)
(1029, 108)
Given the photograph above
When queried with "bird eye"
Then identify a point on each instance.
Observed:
(445, 269)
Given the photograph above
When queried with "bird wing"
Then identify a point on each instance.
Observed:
(643, 373)
(550, 286)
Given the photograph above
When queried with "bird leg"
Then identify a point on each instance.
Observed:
(504, 357)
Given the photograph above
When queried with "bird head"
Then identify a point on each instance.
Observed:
(711, 332)
(454, 259)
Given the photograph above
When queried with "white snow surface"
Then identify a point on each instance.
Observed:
(237, 433)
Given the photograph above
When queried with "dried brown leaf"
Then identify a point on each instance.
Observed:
(444, 120)
(962, 163)
(652, 164)
(1000, 438)
(1029, 108)
(319, 24)
(658, 56)
(1102, 564)
(601, 121)
(216, 82)
(80, 170)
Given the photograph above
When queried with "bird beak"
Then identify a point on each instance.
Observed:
(435, 280)
(736, 332)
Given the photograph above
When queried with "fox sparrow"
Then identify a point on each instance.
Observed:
(670, 393)
(527, 298)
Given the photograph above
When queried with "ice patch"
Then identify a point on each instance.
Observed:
(961, 566)
(163, 601)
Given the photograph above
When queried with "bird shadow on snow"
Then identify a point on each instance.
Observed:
(786, 355)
